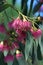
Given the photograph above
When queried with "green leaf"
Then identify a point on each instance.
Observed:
(36, 8)
(22, 48)
(3, 7)
(28, 45)
(21, 60)
(15, 61)
(40, 62)
(39, 56)
(33, 54)
(13, 2)
(31, 4)
(1, 2)
(2, 59)
(3, 36)
(40, 48)
(10, 63)
(24, 6)
(5, 53)
(23, 2)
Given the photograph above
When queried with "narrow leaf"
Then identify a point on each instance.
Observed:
(21, 60)
(13, 2)
(22, 47)
(3, 7)
(15, 61)
(1, 2)
(40, 49)
(28, 45)
(39, 56)
(2, 36)
(33, 55)
(36, 8)
(31, 4)
(24, 6)
(2, 59)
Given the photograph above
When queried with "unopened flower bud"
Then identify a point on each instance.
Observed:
(20, 59)
(9, 59)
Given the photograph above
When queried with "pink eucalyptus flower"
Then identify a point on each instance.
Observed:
(5, 50)
(26, 25)
(23, 42)
(37, 33)
(21, 25)
(15, 45)
(18, 32)
(1, 46)
(2, 28)
(19, 55)
(9, 58)
(6, 47)
(10, 25)
(17, 24)
(21, 35)
(20, 38)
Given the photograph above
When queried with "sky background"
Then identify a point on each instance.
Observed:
(18, 3)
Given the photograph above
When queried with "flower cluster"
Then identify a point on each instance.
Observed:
(21, 25)
(36, 33)
(19, 28)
